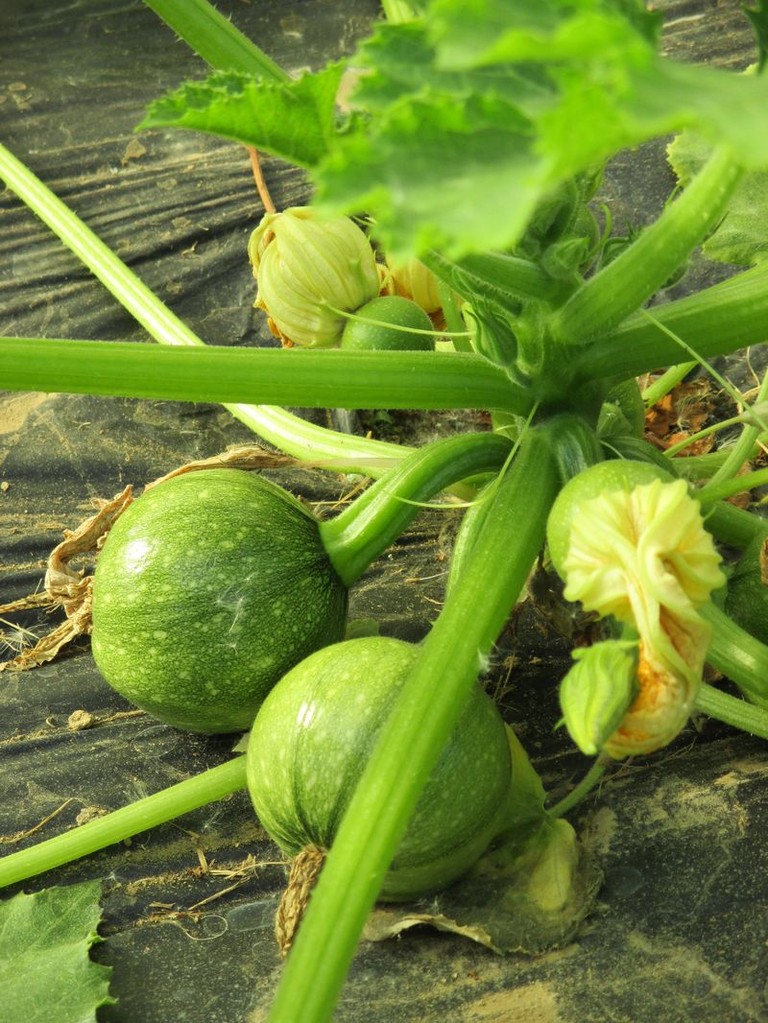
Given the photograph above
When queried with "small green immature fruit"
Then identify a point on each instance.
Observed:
(208, 589)
(314, 734)
(579, 495)
(307, 269)
(379, 325)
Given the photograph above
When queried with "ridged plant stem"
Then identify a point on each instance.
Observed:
(422, 718)
(126, 822)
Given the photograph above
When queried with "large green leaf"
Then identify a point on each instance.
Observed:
(473, 114)
(501, 31)
(741, 236)
(440, 173)
(294, 120)
(45, 972)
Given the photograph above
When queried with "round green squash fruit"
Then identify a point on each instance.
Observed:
(314, 734)
(209, 587)
(395, 312)
(603, 478)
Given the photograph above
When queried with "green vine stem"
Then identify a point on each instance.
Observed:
(275, 425)
(470, 528)
(742, 450)
(397, 12)
(214, 38)
(668, 380)
(731, 486)
(126, 822)
(659, 250)
(705, 466)
(732, 711)
(582, 789)
(738, 655)
(307, 377)
(715, 321)
(733, 525)
(416, 731)
(361, 532)
(493, 273)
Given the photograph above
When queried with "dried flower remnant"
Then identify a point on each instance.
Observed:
(307, 269)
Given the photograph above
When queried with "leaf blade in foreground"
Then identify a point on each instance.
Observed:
(45, 971)
(293, 120)
(466, 123)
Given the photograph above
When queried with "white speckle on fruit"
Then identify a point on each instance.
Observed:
(135, 554)
(306, 714)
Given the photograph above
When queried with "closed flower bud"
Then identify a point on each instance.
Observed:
(598, 691)
(415, 281)
(307, 268)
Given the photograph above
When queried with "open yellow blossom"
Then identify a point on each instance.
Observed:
(630, 552)
(643, 556)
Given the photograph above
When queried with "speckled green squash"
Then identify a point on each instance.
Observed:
(314, 733)
(208, 589)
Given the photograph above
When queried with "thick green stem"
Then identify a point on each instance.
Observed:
(733, 525)
(716, 321)
(304, 377)
(369, 525)
(738, 655)
(642, 268)
(287, 431)
(214, 38)
(426, 711)
(325, 448)
(733, 711)
(397, 12)
(130, 820)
